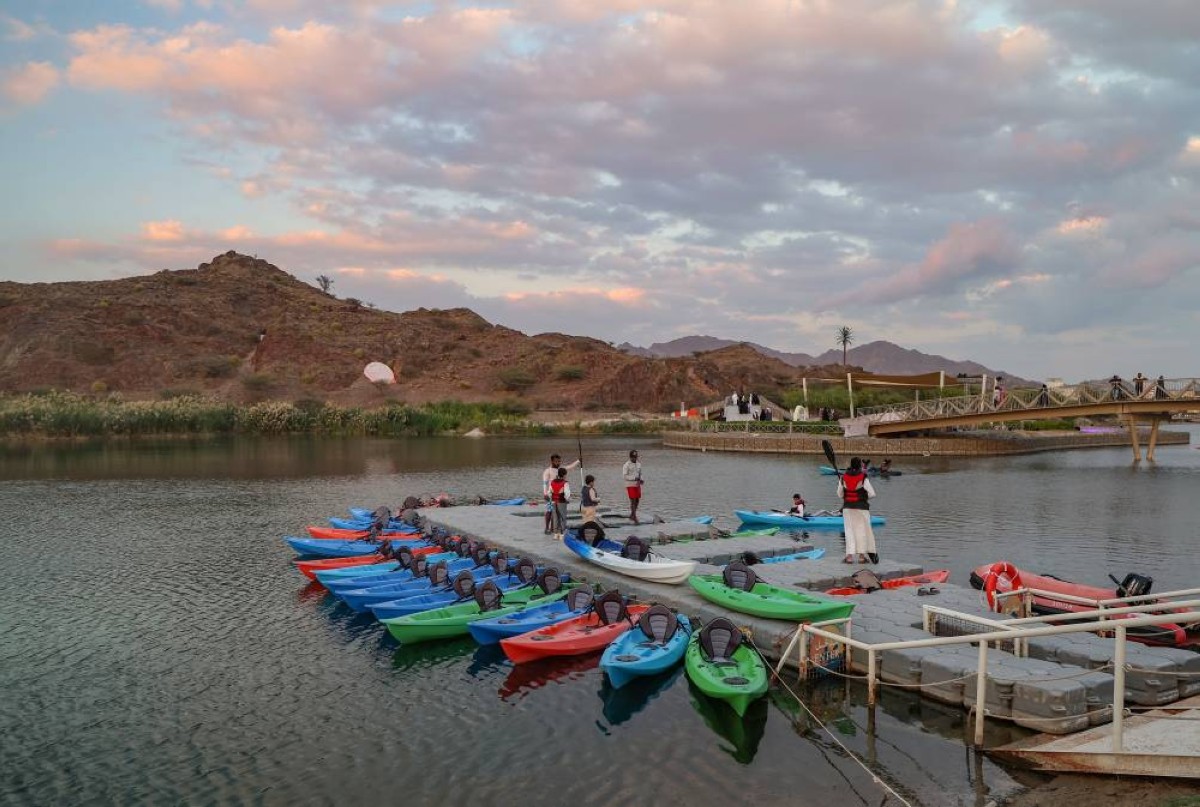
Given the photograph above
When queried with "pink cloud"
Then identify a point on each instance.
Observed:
(169, 230)
(29, 83)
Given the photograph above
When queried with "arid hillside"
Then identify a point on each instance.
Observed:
(243, 329)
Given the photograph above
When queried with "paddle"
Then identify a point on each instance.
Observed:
(582, 484)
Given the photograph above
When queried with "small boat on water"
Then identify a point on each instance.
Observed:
(339, 534)
(634, 558)
(829, 470)
(657, 644)
(790, 522)
(739, 589)
(723, 666)
(865, 585)
(608, 618)
(1003, 576)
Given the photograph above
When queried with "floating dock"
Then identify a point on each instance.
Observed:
(1063, 685)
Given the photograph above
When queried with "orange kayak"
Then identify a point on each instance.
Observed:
(940, 576)
(574, 637)
(338, 534)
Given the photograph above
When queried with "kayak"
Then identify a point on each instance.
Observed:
(337, 534)
(634, 559)
(828, 470)
(587, 633)
(940, 576)
(523, 575)
(494, 628)
(324, 548)
(365, 524)
(348, 581)
(488, 602)
(656, 645)
(738, 589)
(1003, 576)
(506, 503)
(309, 568)
(795, 522)
(722, 666)
(816, 553)
(361, 599)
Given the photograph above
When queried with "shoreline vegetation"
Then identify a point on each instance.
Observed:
(67, 414)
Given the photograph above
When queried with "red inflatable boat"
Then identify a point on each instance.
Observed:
(940, 576)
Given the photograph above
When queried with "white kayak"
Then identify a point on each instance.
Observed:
(634, 559)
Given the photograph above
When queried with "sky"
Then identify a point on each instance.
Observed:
(1011, 181)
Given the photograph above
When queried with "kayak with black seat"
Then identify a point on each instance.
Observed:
(608, 618)
(634, 557)
(722, 665)
(494, 628)
(488, 602)
(656, 645)
(787, 521)
(739, 589)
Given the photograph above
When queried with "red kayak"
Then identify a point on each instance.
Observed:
(1003, 576)
(940, 576)
(337, 534)
(574, 637)
(309, 568)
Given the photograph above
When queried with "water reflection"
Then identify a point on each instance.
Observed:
(742, 733)
(620, 705)
(525, 678)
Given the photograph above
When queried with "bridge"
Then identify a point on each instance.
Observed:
(1155, 402)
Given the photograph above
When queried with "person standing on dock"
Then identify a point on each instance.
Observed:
(588, 500)
(631, 471)
(560, 494)
(548, 476)
(855, 491)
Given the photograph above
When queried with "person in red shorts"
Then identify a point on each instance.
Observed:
(632, 472)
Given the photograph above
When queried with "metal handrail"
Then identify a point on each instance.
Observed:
(1120, 629)
(1175, 389)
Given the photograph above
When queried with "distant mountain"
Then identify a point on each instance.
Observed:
(874, 357)
(688, 345)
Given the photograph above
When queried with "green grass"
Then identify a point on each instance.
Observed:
(65, 414)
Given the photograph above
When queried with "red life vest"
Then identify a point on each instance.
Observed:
(854, 492)
(556, 490)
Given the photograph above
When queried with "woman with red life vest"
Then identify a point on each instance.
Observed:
(560, 494)
(855, 491)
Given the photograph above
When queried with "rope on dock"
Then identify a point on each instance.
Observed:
(837, 741)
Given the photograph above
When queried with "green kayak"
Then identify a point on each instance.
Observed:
(452, 620)
(739, 590)
(723, 667)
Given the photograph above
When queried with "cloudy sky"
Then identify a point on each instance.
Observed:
(1013, 181)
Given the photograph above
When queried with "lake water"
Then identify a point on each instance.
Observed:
(157, 647)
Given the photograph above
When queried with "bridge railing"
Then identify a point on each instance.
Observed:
(1017, 400)
(764, 426)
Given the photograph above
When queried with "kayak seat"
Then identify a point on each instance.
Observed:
(659, 623)
(740, 576)
(866, 580)
(487, 597)
(500, 563)
(480, 555)
(438, 574)
(718, 640)
(635, 549)
(419, 566)
(550, 582)
(610, 607)
(525, 571)
(464, 585)
(591, 533)
(404, 557)
(578, 599)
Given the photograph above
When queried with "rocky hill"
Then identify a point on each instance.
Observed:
(874, 357)
(242, 329)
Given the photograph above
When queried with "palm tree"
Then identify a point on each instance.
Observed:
(845, 336)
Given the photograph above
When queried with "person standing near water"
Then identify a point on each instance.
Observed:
(560, 494)
(855, 491)
(631, 471)
(588, 500)
(548, 476)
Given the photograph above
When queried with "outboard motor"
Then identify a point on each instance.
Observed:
(1134, 585)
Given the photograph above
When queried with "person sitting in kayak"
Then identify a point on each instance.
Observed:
(797, 508)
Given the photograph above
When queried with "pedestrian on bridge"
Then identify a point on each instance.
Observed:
(1115, 383)
(1043, 398)
(1160, 389)
(1139, 384)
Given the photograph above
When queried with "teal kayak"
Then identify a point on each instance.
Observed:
(773, 518)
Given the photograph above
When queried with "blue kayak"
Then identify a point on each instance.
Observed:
(325, 548)
(774, 519)
(829, 470)
(656, 643)
(424, 602)
(491, 631)
(360, 599)
(365, 524)
(507, 503)
(369, 576)
(807, 554)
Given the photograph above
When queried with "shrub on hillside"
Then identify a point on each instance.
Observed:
(516, 379)
(570, 373)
